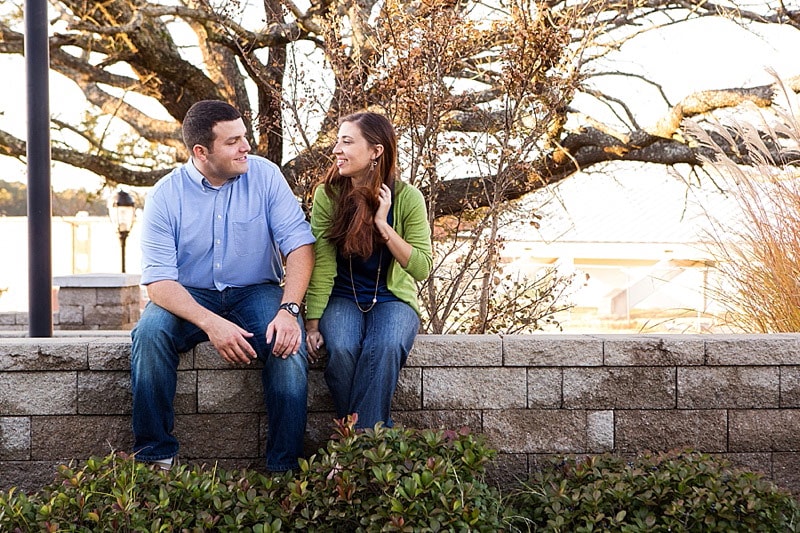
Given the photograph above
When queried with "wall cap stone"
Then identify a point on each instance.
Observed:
(97, 280)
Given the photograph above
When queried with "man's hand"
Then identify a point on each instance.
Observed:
(285, 334)
(230, 341)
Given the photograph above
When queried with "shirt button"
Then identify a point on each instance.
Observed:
(217, 265)
(218, 241)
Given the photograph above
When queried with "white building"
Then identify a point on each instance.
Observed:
(637, 242)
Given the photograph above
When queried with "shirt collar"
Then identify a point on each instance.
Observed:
(197, 177)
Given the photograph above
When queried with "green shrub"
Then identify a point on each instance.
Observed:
(397, 480)
(678, 492)
(377, 480)
(117, 493)
(405, 480)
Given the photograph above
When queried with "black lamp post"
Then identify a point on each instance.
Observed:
(123, 213)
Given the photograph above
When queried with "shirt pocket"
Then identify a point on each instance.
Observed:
(250, 237)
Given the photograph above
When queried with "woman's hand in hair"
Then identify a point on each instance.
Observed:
(382, 214)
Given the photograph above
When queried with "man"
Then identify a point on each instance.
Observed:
(213, 237)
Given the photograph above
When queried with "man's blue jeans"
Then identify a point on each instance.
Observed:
(365, 354)
(160, 336)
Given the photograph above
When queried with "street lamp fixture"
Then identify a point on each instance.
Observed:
(123, 214)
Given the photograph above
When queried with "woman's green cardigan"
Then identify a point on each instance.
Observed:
(410, 221)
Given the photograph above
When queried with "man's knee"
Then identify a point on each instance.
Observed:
(286, 374)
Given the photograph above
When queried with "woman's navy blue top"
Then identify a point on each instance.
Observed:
(364, 274)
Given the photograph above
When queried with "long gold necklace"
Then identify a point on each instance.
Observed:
(377, 281)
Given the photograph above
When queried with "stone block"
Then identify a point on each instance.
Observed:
(661, 430)
(538, 462)
(759, 430)
(238, 463)
(42, 354)
(186, 392)
(319, 397)
(790, 386)
(63, 438)
(408, 394)
(456, 350)
(218, 435)
(106, 316)
(619, 388)
(77, 296)
(104, 393)
(755, 350)
(552, 350)
(114, 296)
(318, 430)
(70, 315)
(507, 470)
(263, 427)
(536, 430)
(474, 388)
(207, 357)
(15, 438)
(726, 387)
(544, 388)
(786, 471)
(38, 393)
(110, 353)
(600, 431)
(134, 314)
(186, 361)
(752, 462)
(27, 476)
(440, 420)
(229, 391)
(653, 350)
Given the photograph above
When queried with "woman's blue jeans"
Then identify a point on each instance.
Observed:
(159, 337)
(365, 354)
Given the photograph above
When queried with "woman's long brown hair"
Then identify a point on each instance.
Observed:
(353, 230)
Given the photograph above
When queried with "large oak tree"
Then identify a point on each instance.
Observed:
(368, 53)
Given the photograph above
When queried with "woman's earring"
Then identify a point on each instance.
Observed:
(374, 163)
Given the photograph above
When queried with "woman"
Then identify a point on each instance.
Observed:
(373, 243)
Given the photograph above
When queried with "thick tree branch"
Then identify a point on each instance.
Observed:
(102, 165)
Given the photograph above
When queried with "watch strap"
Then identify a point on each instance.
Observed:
(292, 307)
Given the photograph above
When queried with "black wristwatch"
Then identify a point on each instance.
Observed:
(292, 307)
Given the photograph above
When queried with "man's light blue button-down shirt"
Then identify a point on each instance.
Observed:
(214, 238)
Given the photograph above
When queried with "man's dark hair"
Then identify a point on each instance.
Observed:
(201, 118)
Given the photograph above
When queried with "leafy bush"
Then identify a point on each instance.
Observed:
(406, 480)
(679, 492)
(376, 480)
(397, 480)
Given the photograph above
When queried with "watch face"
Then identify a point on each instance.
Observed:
(291, 307)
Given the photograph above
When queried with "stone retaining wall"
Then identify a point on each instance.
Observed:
(68, 397)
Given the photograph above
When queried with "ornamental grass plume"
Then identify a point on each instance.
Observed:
(757, 248)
